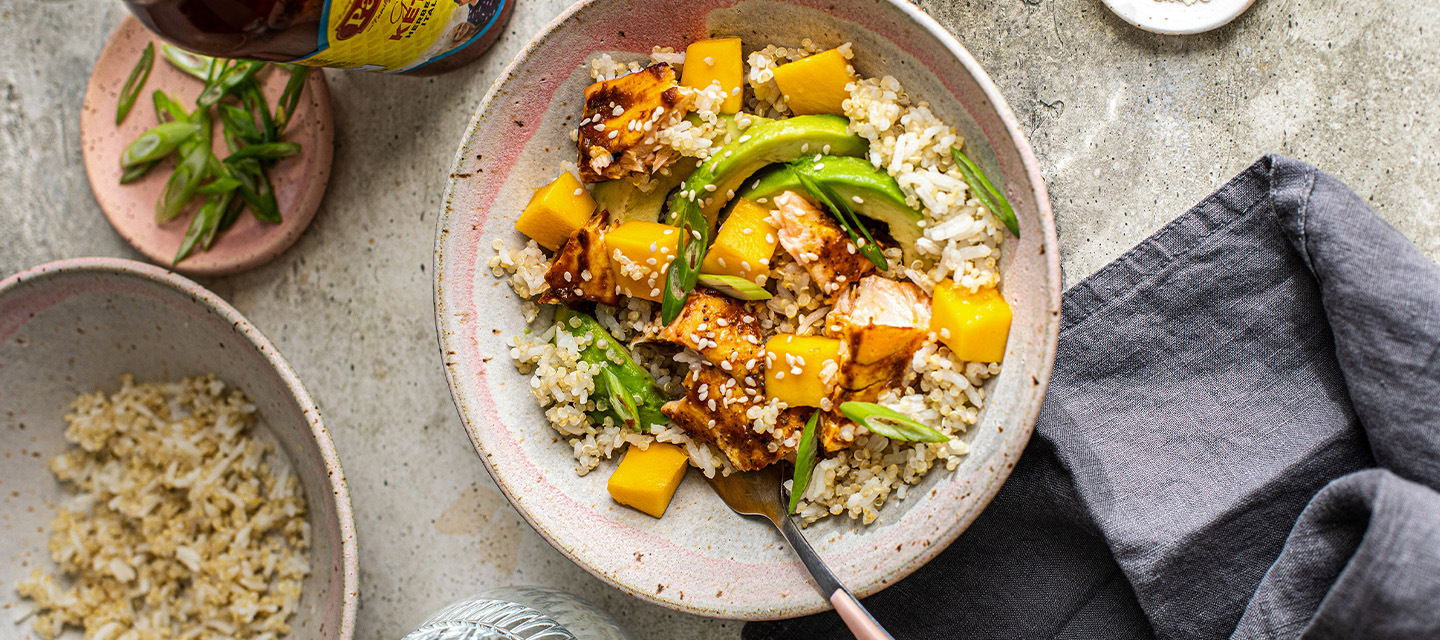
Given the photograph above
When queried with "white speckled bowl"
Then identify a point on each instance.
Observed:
(76, 326)
(700, 557)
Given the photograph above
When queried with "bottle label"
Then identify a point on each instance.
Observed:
(392, 36)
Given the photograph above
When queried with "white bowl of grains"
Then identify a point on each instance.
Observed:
(165, 474)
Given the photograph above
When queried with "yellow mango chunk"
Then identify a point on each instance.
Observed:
(647, 478)
(744, 244)
(975, 326)
(556, 211)
(816, 84)
(640, 253)
(716, 60)
(801, 370)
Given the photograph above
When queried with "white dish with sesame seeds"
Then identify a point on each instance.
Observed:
(803, 311)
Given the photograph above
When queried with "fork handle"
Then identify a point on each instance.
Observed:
(856, 617)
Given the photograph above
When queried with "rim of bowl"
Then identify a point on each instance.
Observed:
(339, 489)
(1051, 322)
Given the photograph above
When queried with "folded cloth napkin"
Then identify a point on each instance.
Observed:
(1241, 438)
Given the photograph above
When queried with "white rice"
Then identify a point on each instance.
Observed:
(184, 525)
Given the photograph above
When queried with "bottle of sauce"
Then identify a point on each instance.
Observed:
(419, 37)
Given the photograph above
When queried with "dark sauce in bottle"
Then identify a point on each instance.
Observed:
(450, 32)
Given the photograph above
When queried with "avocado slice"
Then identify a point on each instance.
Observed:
(879, 196)
(627, 202)
(765, 143)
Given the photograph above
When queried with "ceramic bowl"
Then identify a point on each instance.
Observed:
(700, 557)
(76, 326)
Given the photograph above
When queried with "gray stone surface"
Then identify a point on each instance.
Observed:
(1130, 128)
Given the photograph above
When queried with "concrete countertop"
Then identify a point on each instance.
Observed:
(1130, 128)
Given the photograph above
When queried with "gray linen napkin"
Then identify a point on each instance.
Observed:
(1241, 439)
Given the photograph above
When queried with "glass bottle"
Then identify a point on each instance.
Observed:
(398, 36)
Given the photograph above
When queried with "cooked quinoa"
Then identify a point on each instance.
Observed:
(961, 241)
(183, 524)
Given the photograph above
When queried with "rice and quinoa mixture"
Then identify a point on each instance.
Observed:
(183, 524)
(961, 242)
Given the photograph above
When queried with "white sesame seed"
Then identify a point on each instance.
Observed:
(618, 110)
(819, 166)
(710, 187)
(710, 60)
(653, 246)
(721, 261)
(779, 375)
(770, 237)
(655, 293)
(857, 199)
(651, 261)
(568, 277)
(614, 134)
(600, 127)
(825, 149)
(667, 232)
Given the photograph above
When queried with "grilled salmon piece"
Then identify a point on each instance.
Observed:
(883, 322)
(714, 410)
(581, 270)
(617, 134)
(819, 244)
(725, 331)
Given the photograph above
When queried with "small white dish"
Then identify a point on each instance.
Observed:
(1174, 17)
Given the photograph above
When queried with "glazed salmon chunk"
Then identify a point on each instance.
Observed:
(818, 243)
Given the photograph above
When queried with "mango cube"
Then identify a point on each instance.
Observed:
(744, 244)
(816, 84)
(801, 370)
(716, 60)
(555, 211)
(646, 479)
(640, 252)
(975, 326)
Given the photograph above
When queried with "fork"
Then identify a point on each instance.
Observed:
(761, 493)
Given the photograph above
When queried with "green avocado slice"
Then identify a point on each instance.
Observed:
(627, 202)
(713, 184)
(879, 196)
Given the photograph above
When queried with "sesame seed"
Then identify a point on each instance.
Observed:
(655, 293)
(743, 139)
(763, 200)
(857, 199)
(805, 148)
(745, 265)
(747, 231)
(825, 149)
(710, 187)
(618, 110)
(710, 60)
(614, 134)
(725, 364)
(779, 375)
(945, 333)
(667, 232)
(796, 371)
(651, 262)
(721, 261)
(819, 166)
(770, 237)
(653, 246)
(600, 127)
(818, 156)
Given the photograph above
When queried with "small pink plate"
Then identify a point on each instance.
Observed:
(299, 181)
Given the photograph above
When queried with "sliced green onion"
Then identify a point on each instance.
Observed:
(734, 286)
(684, 270)
(890, 423)
(138, 77)
(192, 64)
(847, 217)
(620, 400)
(270, 150)
(220, 186)
(157, 143)
(225, 206)
(986, 192)
(804, 462)
(136, 172)
(204, 222)
(254, 100)
(167, 109)
(255, 188)
(290, 97)
(242, 122)
(228, 82)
